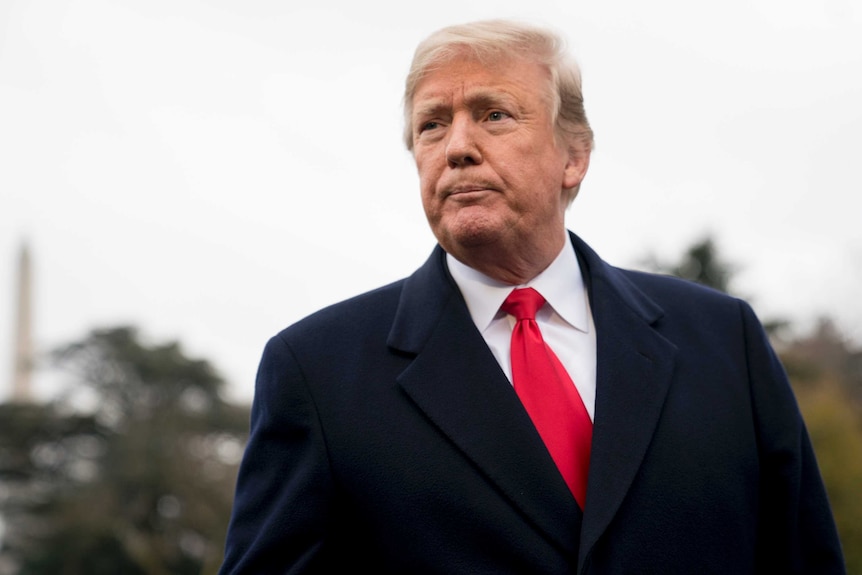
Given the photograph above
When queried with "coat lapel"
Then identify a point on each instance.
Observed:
(456, 382)
(633, 373)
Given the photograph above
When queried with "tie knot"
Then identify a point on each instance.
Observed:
(523, 303)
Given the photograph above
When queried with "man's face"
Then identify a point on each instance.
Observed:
(490, 169)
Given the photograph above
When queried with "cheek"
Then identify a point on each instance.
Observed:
(432, 208)
(428, 175)
(427, 185)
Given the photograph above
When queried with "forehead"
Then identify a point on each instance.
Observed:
(472, 80)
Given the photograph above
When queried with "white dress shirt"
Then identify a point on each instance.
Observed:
(565, 321)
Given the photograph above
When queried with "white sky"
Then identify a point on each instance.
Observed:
(213, 170)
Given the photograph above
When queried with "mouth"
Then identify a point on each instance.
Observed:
(467, 190)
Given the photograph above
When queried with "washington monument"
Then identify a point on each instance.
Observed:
(23, 346)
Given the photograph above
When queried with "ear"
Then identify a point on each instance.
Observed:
(577, 162)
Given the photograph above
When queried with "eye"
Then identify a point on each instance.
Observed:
(496, 116)
(428, 126)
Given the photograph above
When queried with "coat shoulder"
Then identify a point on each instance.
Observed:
(350, 316)
(677, 296)
(665, 287)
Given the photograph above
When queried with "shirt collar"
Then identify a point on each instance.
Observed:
(561, 284)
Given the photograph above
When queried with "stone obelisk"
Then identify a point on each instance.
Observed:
(23, 353)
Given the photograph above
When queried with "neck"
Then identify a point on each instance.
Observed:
(513, 268)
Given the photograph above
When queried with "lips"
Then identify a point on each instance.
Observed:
(468, 189)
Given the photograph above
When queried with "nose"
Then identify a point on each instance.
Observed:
(462, 148)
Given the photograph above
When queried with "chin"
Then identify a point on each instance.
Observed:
(471, 236)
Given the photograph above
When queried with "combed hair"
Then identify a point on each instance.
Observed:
(493, 40)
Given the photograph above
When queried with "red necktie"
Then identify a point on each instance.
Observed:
(548, 394)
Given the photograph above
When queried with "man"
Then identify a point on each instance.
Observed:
(413, 429)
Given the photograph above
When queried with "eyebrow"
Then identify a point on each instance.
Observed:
(429, 108)
(478, 98)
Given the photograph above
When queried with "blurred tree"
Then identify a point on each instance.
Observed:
(42, 452)
(835, 426)
(826, 371)
(142, 482)
(700, 263)
(826, 352)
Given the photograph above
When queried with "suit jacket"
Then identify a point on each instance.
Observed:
(386, 439)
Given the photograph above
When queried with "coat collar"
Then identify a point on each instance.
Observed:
(455, 380)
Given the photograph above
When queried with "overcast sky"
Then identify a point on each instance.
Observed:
(213, 170)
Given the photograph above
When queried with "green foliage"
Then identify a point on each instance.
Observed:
(836, 432)
(82, 552)
(141, 482)
(824, 369)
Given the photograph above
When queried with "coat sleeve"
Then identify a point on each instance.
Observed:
(796, 531)
(284, 486)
